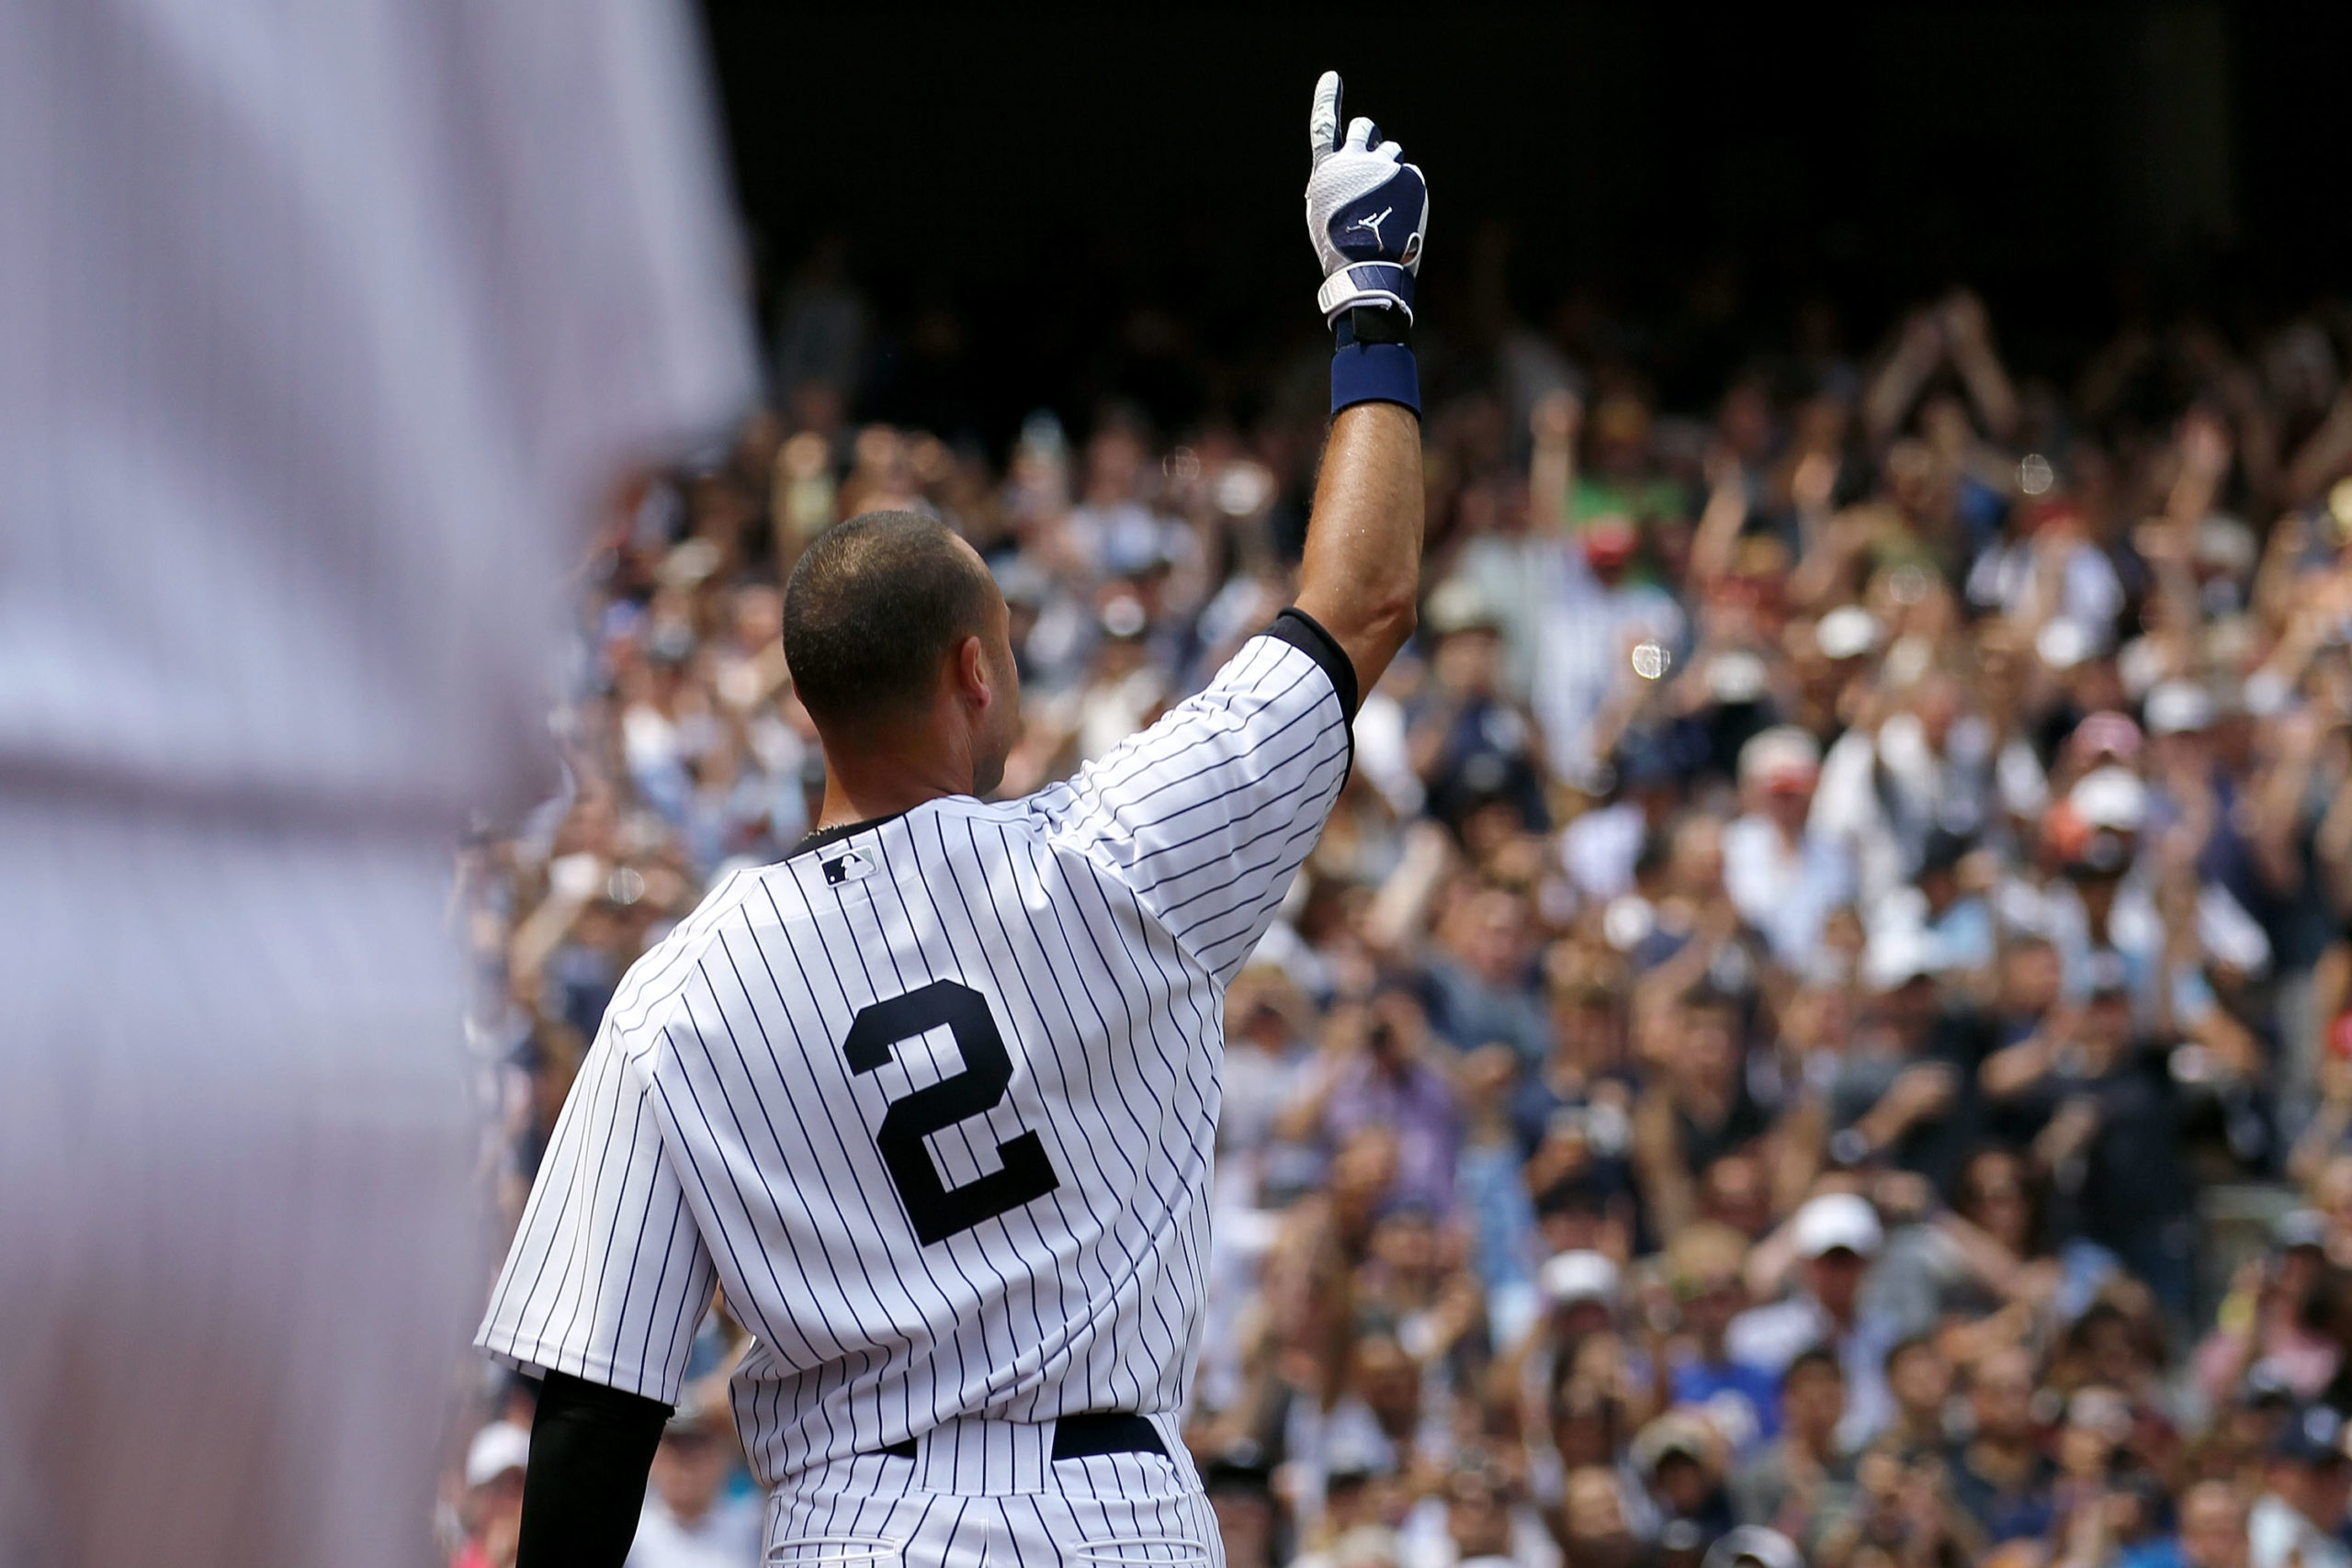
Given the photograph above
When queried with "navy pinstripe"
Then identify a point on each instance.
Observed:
(719, 1132)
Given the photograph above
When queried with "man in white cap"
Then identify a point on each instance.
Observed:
(1928, 763)
(1846, 632)
(1579, 1290)
(1753, 1544)
(495, 1461)
(1784, 878)
(2176, 708)
(2110, 901)
(1834, 1237)
(2188, 783)
(690, 1520)
(1580, 1287)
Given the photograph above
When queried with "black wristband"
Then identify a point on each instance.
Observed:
(1372, 323)
(592, 1449)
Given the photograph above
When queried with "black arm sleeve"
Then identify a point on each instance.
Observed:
(591, 1447)
(1303, 632)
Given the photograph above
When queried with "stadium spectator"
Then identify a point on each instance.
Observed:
(691, 1520)
(1823, 1005)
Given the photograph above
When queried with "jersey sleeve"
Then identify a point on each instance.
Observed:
(609, 1276)
(1206, 816)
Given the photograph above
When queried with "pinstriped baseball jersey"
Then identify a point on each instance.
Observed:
(934, 1098)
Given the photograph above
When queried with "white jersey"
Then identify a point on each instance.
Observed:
(320, 324)
(934, 1099)
(321, 328)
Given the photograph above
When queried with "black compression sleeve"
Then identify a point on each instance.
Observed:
(1306, 634)
(1303, 632)
(591, 1447)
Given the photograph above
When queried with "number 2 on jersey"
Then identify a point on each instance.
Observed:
(938, 1210)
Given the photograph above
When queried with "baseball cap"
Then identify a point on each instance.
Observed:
(2266, 693)
(1124, 616)
(2265, 1385)
(1736, 676)
(1458, 604)
(2106, 733)
(2102, 1410)
(2178, 707)
(2311, 1438)
(1672, 1433)
(2140, 664)
(2106, 972)
(1579, 1276)
(2064, 642)
(1753, 1543)
(1351, 1451)
(1610, 541)
(2226, 545)
(2051, 510)
(2300, 1227)
(1834, 1221)
(2110, 797)
(1895, 956)
(1846, 632)
(498, 1447)
(2087, 851)
(1680, 1537)
(1944, 850)
(1778, 757)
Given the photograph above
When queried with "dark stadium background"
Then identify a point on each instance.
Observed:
(1052, 208)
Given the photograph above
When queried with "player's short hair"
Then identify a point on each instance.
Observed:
(872, 608)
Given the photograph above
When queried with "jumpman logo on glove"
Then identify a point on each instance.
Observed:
(1358, 183)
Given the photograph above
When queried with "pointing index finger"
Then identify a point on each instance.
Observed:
(1323, 117)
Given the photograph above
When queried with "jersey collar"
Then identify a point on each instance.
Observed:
(834, 835)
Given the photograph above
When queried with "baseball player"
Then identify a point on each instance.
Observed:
(934, 1098)
(321, 327)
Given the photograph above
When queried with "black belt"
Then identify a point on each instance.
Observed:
(1083, 1437)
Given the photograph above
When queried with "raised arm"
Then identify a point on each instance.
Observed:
(1364, 544)
(1366, 212)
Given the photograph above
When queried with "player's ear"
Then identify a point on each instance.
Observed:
(974, 683)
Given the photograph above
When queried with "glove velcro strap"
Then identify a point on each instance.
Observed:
(1366, 283)
(1374, 373)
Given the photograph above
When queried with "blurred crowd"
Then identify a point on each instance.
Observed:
(1820, 1028)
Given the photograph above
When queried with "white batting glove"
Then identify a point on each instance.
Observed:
(1366, 211)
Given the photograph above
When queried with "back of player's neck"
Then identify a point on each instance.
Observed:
(879, 787)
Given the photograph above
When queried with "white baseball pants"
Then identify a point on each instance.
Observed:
(238, 1248)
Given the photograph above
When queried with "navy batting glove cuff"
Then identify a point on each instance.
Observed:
(1363, 285)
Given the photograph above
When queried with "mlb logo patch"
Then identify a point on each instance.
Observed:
(851, 867)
